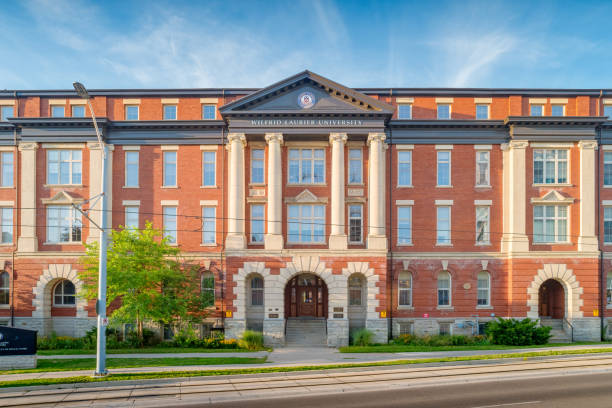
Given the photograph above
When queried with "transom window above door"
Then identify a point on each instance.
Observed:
(306, 166)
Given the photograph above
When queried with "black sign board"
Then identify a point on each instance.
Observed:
(17, 342)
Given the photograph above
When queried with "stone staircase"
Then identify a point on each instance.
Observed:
(557, 332)
(303, 332)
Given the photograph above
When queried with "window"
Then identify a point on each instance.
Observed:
(208, 288)
(131, 217)
(131, 168)
(306, 166)
(257, 224)
(208, 168)
(7, 169)
(443, 225)
(5, 288)
(404, 168)
(209, 112)
(169, 169)
(608, 168)
(444, 158)
(608, 111)
(64, 167)
(6, 112)
(608, 289)
(169, 220)
(64, 294)
(404, 225)
(482, 111)
(405, 288)
(482, 225)
(482, 329)
(63, 224)
(257, 291)
(355, 224)
(257, 166)
(444, 289)
(482, 169)
(404, 111)
(444, 111)
(131, 112)
(445, 329)
(537, 110)
(169, 112)
(168, 332)
(550, 223)
(306, 223)
(57, 111)
(209, 225)
(484, 289)
(355, 167)
(608, 225)
(6, 214)
(557, 110)
(78, 111)
(405, 328)
(549, 166)
(355, 290)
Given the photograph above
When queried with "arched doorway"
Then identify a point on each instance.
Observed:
(306, 296)
(552, 300)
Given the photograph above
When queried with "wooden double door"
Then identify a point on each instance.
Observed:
(306, 296)
(552, 300)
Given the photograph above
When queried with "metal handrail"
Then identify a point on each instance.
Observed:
(571, 327)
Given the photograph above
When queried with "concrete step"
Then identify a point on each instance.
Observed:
(554, 323)
(559, 336)
(306, 332)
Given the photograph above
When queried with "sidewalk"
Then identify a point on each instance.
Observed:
(283, 357)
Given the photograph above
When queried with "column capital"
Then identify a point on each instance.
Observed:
(376, 137)
(518, 144)
(274, 137)
(96, 146)
(338, 137)
(588, 144)
(237, 137)
(28, 146)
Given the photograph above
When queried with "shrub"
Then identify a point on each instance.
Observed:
(514, 332)
(362, 337)
(252, 340)
(439, 341)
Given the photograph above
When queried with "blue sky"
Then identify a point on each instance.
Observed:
(47, 44)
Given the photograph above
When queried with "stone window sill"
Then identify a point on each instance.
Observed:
(552, 185)
(210, 244)
(131, 186)
(484, 307)
(405, 186)
(63, 185)
(215, 186)
(448, 308)
(405, 308)
(63, 243)
(444, 186)
(169, 186)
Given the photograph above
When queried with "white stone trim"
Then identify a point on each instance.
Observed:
(372, 289)
(130, 148)
(483, 202)
(7, 148)
(606, 202)
(7, 102)
(571, 286)
(169, 147)
(174, 203)
(444, 147)
(444, 202)
(404, 202)
(607, 101)
(306, 143)
(537, 101)
(213, 148)
(552, 197)
(606, 147)
(404, 100)
(77, 101)
(63, 145)
(170, 101)
(558, 101)
(209, 101)
(445, 100)
(209, 203)
(483, 100)
(483, 147)
(42, 300)
(553, 145)
(131, 202)
(131, 101)
(404, 147)
(57, 101)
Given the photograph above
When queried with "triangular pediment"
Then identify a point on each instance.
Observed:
(552, 197)
(307, 93)
(306, 197)
(62, 198)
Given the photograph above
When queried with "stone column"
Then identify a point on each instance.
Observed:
(515, 177)
(235, 234)
(338, 238)
(587, 241)
(27, 241)
(376, 192)
(274, 237)
(95, 168)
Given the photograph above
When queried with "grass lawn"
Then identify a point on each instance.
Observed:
(237, 371)
(396, 348)
(164, 350)
(69, 364)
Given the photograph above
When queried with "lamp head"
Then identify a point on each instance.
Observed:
(80, 90)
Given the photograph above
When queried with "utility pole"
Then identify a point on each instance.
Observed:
(101, 301)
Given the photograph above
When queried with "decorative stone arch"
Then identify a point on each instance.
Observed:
(43, 298)
(307, 264)
(571, 286)
(372, 289)
(240, 301)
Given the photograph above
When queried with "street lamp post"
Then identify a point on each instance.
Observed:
(101, 301)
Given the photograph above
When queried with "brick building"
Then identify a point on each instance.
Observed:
(310, 204)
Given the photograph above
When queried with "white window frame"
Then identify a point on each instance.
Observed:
(261, 289)
(562, 105)
(5, 289)
(54, 107)
(607, 217)
(402, 277)
(170, 105)
(486, 105)
(359, 219)
(206, 153)
(556, 160)
(204, 106)
(358, 160)
(487, 289)
(607, 162)
(263, 165)
(209, 221)
(171, 234)
(445, 242)
(63, 295)
(127, 107)
(132, 211)
(438, 162)
(399, 106)
(127, 154)
(166, 162)
(400, 220)
(259, 219)
(450, 115)
(487, 232)
(353, 289)
(78, 106)
(301, 220)
(532, 105)
(74, 219)
(301, 161)
(402, 161)
(488, 172)
(208, 275)
(449, 289)
(3, 110)
(556, 218)
(6, 219)
(6, 164)
(71, 161)
(609, 289)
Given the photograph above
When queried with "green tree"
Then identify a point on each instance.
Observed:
(147, 280)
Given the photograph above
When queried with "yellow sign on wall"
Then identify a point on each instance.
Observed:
(596, 312)
(228, 313)
(383, 314)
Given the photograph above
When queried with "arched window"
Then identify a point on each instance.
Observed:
(355, 290)
(257, 291)
(5, 286)
(405, 288)
(208, 288)
(609, 288)
(444, 289)
(484, 288)
(64, 294)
